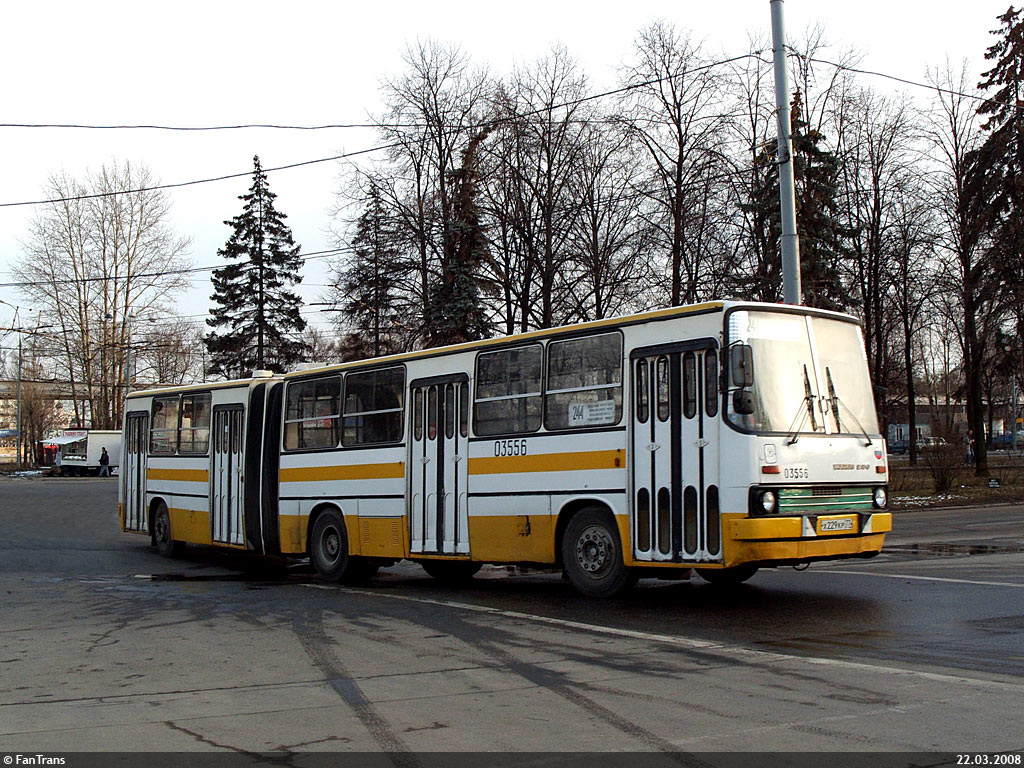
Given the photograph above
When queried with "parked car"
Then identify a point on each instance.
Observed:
(900, 447)
(1005, 442)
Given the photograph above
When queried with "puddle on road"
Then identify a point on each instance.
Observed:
(267, 578)
(952, 549)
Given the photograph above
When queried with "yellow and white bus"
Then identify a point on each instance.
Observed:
(722, 437)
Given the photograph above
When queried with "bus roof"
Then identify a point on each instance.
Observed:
(234, 383)
(643, 317)
(611, 322)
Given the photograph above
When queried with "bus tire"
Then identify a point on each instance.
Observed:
(725, 577)
(328, 546)
(163, 539)
(451, 571)
(592, 554)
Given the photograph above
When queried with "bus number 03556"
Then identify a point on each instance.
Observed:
(509, 447)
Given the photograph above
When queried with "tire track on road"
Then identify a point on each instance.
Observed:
(309, 628)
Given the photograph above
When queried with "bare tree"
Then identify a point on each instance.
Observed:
(169, 351)
(532, 156)
(608, 237)
(675, 108)
(758, 276)
(912, 283)
(94, 260)
(432, 111)
(970, 279)
(876, 151)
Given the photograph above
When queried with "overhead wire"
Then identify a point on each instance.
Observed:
(381, 125)
(379, 148)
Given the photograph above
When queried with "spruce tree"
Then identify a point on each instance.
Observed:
(997, 180)
(994, 207)
(823, 239)
(252, 301)
(455, 310)
(369, 285)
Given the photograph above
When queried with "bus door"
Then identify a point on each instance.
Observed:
(438, 466)
(674, 453)
(133, 470)
(226, 474)
(702, 540)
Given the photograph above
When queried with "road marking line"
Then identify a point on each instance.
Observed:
(927, 578)
(686, 642)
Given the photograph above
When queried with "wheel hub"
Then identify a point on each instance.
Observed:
(594, 550)
(331, 543)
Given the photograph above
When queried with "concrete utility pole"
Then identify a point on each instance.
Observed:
(20, 446)
(791, 293)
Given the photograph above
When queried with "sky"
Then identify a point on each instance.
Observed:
(309, 63)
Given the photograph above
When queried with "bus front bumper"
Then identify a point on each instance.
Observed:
(799, 539)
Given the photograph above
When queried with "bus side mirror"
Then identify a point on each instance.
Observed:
(743, 402)
(741, 363)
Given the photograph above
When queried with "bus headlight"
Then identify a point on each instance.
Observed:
(880, 498)
(768, 501)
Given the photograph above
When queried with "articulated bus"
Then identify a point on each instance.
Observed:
(720, 437)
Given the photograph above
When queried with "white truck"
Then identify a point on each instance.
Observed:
(79, 450)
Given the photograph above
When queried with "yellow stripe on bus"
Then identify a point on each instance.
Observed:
(392, 469)
(548, 462)
(181, 475)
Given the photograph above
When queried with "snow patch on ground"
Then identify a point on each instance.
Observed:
(923, 501)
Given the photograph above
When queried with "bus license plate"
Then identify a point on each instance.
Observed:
(842, 524)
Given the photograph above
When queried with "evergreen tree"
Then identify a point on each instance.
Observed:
(997, 181)
(369, 285)
(822, 237)
(455, 312)
(994, 206)
(252, 301)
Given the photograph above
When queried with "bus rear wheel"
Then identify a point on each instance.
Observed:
(163, 539)
(328, 549)
(328, 546)
(592, 555)
(451, 571)
(725, 577)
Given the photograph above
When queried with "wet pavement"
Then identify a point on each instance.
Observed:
(104, 645)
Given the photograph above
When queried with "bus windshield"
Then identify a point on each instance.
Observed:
(810, 375)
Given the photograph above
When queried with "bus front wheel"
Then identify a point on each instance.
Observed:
(592, 555)
(166, 546)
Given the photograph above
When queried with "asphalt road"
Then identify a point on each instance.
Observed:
(106, 646)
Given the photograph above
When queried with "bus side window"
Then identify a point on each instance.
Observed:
(374, 406)
(163, 435)
(584, 382)
(195, 424)
(508, 391)
(311, 414)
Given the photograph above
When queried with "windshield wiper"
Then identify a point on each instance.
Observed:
(806, 409)
(834, 400)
